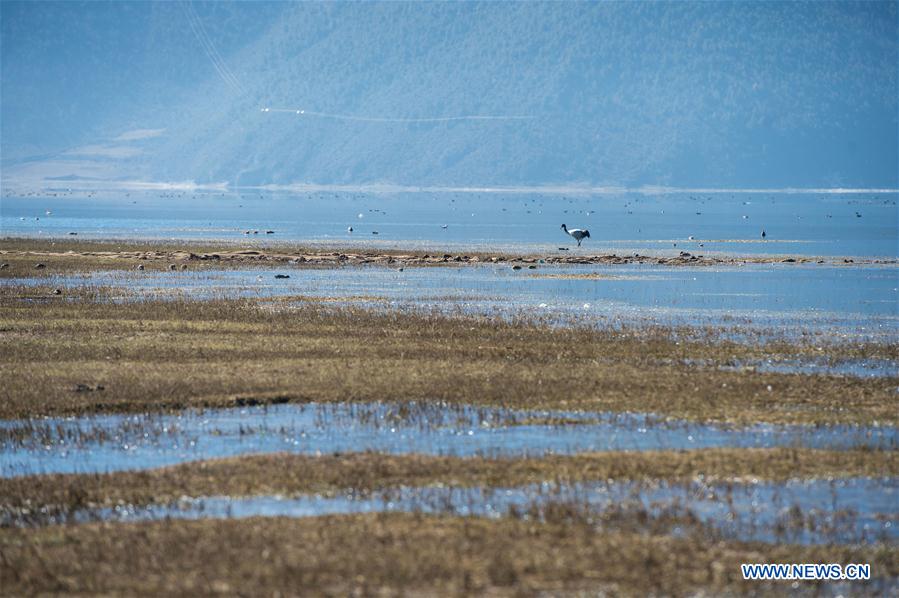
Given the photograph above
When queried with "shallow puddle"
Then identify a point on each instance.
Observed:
(810, 512)
(120, 442)
(858, 368)
(854, 368)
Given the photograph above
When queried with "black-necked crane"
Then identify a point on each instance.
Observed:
(576, 234)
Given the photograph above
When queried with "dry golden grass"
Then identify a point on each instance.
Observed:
(390, 554)
(286, 474)
(158, 355)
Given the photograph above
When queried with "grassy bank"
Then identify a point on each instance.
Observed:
(390, 554)
(168, 355)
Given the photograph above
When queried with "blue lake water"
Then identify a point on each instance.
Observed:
(799, 224)
(119, 442)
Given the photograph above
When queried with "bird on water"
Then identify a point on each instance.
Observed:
(576, 234)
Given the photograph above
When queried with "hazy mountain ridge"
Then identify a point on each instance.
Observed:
(616, 93)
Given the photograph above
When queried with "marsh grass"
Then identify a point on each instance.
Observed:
(395, 553)
(646, 506)
(153, 355)
(35, 434)
(286, 474)
(94, 350)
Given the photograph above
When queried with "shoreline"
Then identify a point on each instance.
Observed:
(275, 253)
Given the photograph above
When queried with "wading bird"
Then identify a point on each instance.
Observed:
(576, 234)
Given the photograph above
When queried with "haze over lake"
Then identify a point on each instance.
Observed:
(725, 95)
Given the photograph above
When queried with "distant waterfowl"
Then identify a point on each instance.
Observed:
(764, 234)
(349, 229)
(576, 234)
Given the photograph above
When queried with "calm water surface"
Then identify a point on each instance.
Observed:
(798, 224)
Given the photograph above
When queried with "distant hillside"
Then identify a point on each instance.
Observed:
(759, 94)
